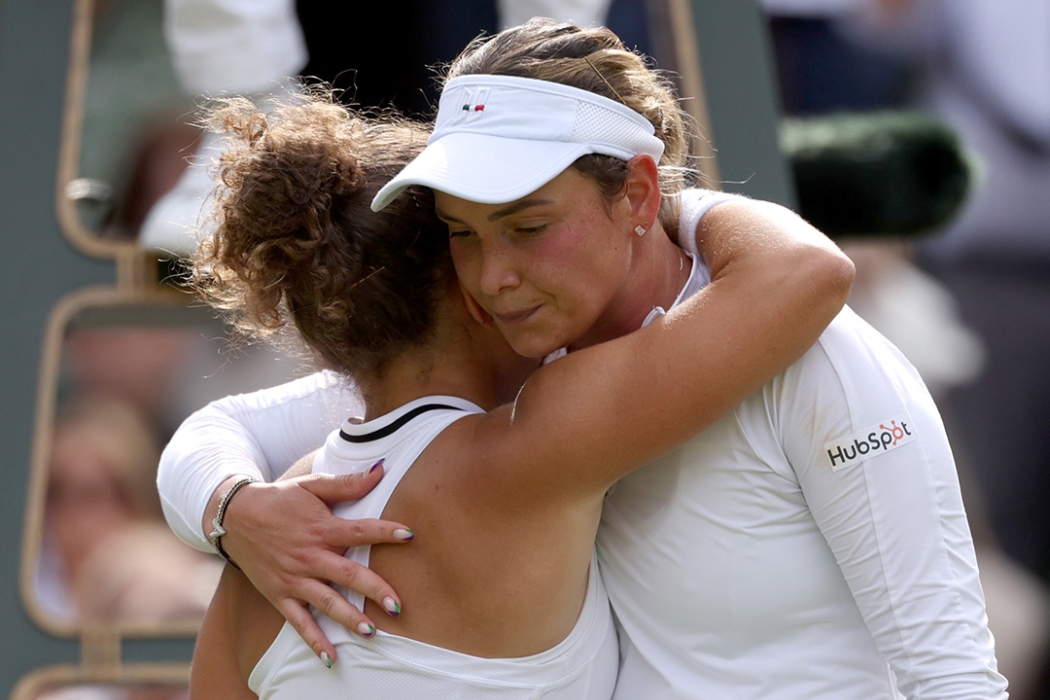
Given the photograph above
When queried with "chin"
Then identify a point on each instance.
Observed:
(534, 347)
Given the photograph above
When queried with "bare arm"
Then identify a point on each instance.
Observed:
(216, 671)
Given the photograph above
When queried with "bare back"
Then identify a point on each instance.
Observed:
(480, 584)
(486, 575)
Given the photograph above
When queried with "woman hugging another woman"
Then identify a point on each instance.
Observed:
(506, 598)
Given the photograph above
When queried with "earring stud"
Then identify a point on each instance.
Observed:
(641, 229)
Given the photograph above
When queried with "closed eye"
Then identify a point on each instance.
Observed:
(530, 230)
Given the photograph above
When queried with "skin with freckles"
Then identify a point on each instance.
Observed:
(563, 266)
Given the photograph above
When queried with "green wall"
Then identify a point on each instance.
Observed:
(37, 268)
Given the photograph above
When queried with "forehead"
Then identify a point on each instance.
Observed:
(565, 187)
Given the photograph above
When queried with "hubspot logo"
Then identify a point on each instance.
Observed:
(898, 432)
(872, 442)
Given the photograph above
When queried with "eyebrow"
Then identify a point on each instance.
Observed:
(513, 208)
(516, 207)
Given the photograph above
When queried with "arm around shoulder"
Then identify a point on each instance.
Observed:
(258, 434)
(776, 285)
(773, 240)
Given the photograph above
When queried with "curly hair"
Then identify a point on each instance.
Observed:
(295, 240)
(593, 59)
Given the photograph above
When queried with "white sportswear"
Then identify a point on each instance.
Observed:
(580, 667)
(772, 556)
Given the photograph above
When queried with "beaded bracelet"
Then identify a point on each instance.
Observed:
(216, 535)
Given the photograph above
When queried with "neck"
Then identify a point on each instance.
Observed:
(659, 270)
(461, 359)
(421, 373)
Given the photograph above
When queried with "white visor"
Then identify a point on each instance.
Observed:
(498, 138)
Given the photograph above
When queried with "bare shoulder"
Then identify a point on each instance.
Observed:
(743, 211)
(486, 465)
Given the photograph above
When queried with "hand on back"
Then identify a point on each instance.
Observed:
(285, 539)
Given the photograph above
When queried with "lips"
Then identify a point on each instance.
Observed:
(512, 319)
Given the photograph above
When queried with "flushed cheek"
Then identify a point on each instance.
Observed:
(559, 274)
(578, 292)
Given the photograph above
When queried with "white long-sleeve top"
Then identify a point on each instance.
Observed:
(788, 551)
(259, 434)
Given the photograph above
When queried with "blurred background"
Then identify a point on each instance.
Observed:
(915, 132)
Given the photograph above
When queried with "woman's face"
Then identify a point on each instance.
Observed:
(550, 267)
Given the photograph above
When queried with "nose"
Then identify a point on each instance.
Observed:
(498, 268)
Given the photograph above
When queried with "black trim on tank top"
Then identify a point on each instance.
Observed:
(396, 425)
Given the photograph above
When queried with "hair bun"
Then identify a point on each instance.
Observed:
(296, 240)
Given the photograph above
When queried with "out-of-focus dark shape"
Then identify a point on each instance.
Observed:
(893, 174)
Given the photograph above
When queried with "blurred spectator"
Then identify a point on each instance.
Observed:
(254, 49)
(145, 575)
(140, 365)
(115, 692)
(101, 474)
(132, 103)
(165, 360)
(108, 555)
(821, 70)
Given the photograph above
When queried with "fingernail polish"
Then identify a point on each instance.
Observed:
(404, 535)
(366, 630)
(377, 465)
(326, 659)
(392, 606)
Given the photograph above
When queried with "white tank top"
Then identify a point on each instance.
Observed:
(581, 667)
